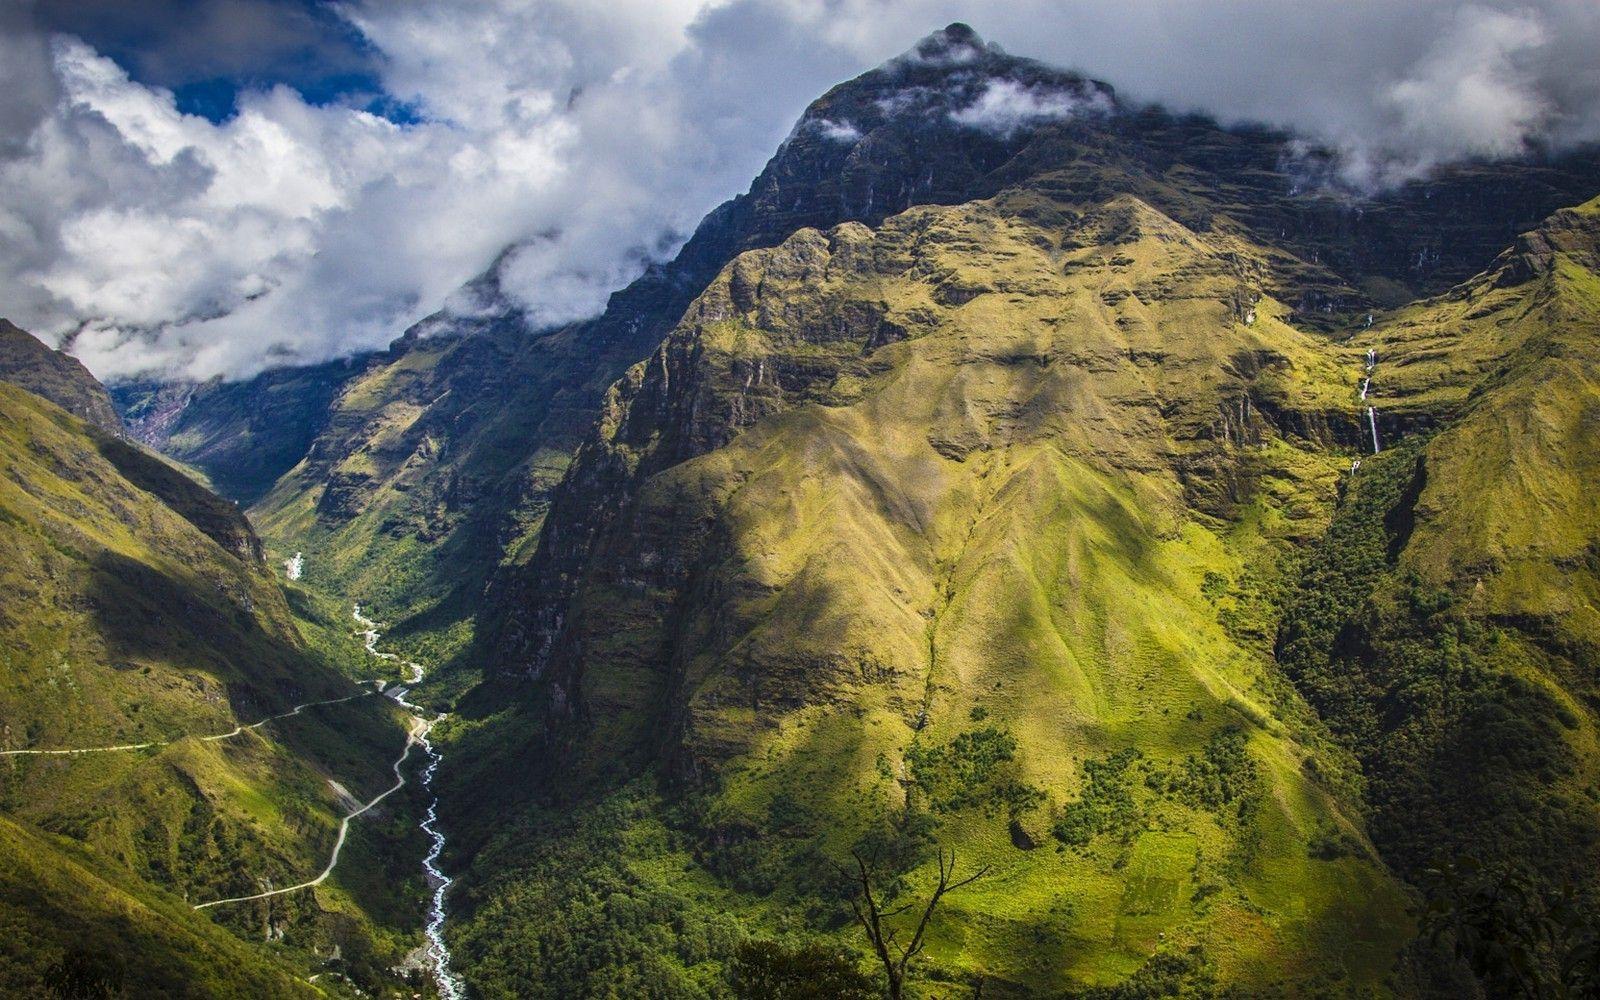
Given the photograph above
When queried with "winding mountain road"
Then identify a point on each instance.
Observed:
(418, 734)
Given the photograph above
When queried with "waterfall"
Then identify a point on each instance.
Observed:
(1372, 421)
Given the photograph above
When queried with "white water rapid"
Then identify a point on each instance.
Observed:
(438, 952)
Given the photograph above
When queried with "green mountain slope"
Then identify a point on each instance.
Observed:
(436, 464)
(1459, 661)
(434, 468)
(56, 376)
(932, 526)
(1010, 492)
(1028, 527)
(136, 611)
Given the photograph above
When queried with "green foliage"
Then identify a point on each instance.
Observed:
(1105, 804)
(970, 772)
(767, 970)
(571, 917)
(83, 975)
(1166, 976)
(1223, 778)
(1516, 938)
(1420, 690)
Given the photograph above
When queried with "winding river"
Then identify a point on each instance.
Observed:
(437, 952)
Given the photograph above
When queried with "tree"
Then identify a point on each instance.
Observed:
(1520, 939)
(871, 914)
(766, 970)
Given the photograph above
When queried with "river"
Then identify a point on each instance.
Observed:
(437, 951)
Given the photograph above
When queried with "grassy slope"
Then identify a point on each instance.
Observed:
(993, 519)
(136, 608)
(428, 482)
(1461, 661)
(56, 376)
(400, 536)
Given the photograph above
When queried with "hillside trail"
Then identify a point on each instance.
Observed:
(437, 952)
(230, 734)
(415, 737)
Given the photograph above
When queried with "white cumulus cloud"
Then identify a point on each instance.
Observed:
(592, 137)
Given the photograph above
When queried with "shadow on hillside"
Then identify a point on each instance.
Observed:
(191, 624)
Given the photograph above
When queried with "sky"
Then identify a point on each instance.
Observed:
(192, 188)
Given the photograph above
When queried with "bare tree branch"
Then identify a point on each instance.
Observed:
(872, 917)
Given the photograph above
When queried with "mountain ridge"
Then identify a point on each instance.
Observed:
(1207, 558)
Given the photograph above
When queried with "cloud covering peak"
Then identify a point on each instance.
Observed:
(593, 137)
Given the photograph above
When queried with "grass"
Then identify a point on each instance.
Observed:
(137, 608)
(938, 584)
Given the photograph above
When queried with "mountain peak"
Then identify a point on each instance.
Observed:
(55, 375)
(954, 43)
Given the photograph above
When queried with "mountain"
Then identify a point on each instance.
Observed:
(436, 463)
(137, 615)
(428, 475)
(56, 376)
(243, 435)
(1098, 501)
(1445, 626)
(1026, 527)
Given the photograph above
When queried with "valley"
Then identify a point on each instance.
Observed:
(1031, 545)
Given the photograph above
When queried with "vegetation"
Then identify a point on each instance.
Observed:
(874, 914)
(1012, 507)
(137, 609)
(1518, 940)
(968, 772)
(766, 970)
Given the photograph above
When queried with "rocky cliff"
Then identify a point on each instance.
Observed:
(1045, 525)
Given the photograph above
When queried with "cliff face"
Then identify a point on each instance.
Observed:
(1050, 518)
(243, 435)
(454, 438)
(432, 469)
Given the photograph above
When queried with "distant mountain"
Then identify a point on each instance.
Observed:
(56, 376)
(243, 435)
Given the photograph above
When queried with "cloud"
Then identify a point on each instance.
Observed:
(1005, 107)
(593, 137)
